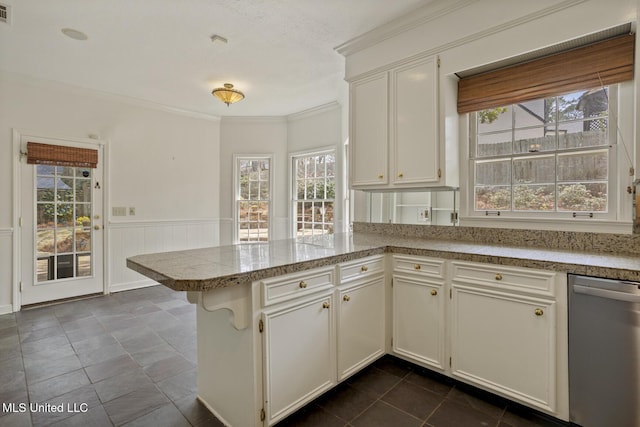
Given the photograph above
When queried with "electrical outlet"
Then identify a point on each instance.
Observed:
(423, 214)
(132, 211)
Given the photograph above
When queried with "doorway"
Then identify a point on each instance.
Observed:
(60, 219)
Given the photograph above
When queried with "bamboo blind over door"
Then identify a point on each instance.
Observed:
(595, 65)
(60, 155)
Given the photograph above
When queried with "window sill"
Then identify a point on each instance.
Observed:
(577, 224)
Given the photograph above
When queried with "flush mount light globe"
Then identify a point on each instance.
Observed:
(228, 94)
(74, 34)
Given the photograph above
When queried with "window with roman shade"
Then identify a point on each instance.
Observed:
(543, 131)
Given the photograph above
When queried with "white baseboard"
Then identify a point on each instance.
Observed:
(6, 309)
(128, 286)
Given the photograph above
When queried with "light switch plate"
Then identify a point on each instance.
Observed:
(119, 211)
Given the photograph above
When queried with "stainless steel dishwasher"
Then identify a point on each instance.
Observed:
(604, 352)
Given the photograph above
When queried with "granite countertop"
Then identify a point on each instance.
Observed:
(215, 267)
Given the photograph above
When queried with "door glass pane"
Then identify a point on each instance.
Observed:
(63, 225)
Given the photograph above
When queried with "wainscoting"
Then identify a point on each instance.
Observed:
(134, 238)
(6, 270)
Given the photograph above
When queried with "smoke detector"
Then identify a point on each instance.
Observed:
(5, 13)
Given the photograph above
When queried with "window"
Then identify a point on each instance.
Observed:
(545, 155)
(63, 222)
(253, 198)
(313, 193)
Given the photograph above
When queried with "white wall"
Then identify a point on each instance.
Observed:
(164, 164)
(254, 135)
(321, 128)
(309, 130)
(469, 34)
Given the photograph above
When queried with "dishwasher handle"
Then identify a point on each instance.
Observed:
(604, 293)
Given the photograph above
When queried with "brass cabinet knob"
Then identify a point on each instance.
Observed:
(346, 298)
(325, 305)
(96, 227)
(498, 276)
(434, 292)
(380, 176)
(417, 267)
(303, 284)
(538, 312)
(364, 268)
(400, 175)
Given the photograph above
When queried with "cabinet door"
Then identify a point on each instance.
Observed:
(418, 320)
(505, 343)
(414, 132)
(360, 325)
(369, 132)
(299, 355)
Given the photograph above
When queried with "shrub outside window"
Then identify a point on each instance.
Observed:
(544, 155)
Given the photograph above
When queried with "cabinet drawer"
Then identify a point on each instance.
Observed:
(361, 268)
(284, 288)
(418, 265)
(501, 277)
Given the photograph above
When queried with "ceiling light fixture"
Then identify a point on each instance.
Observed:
(228, 94)
(74, 34)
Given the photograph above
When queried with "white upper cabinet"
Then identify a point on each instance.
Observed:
(394, 123)
(369, 117)
(414, 123)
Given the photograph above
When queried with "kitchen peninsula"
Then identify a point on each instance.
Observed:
(308, 313)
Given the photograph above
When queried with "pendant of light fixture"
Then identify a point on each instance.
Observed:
(228, 94)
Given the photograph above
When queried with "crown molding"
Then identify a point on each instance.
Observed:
(430, 12)
(472, 37)
(253, 119)
(310, 112)
(135, 102)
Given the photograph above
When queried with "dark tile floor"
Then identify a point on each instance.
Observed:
(130, 359)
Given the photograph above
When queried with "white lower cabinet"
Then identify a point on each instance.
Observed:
(505, 337)
(361, 329)
(299, 355)
(418, 320)
(293, 337)
(316, 332)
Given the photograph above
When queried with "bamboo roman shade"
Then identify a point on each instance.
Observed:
(58, 155)
(598, 64)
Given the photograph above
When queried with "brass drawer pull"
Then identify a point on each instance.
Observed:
(417, 267)
(303, 284)
(434, 292)
(538, 312)
(364, 268)
(325, 305)
(346, 298)
(400, 175)
(380, 176)
(498, 276)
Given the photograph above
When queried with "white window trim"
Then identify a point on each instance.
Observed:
(618, 220)
(236, 192)
(292, 183)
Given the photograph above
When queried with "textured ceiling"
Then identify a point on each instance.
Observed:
(280, 53)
